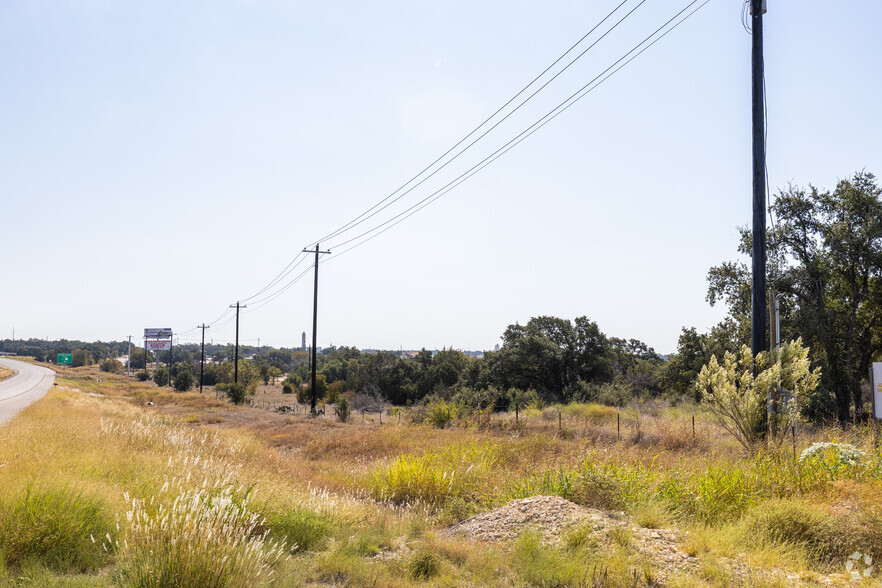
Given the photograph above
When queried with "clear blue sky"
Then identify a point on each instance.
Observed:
(161, 160)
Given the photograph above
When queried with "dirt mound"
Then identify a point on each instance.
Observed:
(551, 516)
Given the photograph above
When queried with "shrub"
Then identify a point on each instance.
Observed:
(205, 536)
(184, 379)
(161, 377)
(142, 376)
(236, 393)
(55, 527)
(287, 388)
(440, 413)
(737, 398)
(341, 409)
(111, 366)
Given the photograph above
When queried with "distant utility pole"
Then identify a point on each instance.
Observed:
(171, 358)
(129, 358)
(758, 253)
(314, 324)
(202, 363)
(236, 357)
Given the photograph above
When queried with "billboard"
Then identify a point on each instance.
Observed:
(159, 345)
(64, 359)
(157, 333)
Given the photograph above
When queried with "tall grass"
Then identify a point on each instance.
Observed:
(204, 536)
(54, 526)
(434, 478)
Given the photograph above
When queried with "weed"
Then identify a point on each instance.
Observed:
(423, 565)
(302, 530)
(198, 537)
(55, 527)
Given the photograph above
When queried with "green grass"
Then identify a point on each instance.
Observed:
(58, 528)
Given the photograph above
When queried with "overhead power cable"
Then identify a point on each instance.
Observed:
(551, 115)
(385, 203)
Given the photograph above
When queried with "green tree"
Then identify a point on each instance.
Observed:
(81, 357)
(185, 378)
(825, 257)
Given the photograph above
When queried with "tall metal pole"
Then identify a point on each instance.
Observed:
(202, 362)
(129, 358)
(236, 356)
(758, 293)
(314, 399)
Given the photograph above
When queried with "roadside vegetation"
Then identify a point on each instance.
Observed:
(101, 488)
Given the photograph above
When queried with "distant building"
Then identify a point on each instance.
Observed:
(303, 341)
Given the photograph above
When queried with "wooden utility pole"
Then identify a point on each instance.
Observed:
(202, 363)
(237, 306)
(758, 253)
(314, 399)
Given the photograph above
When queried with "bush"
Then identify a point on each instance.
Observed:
(142, 376)
(287, 388)
(111, 366)
(236, 393)
(55, 527)
(161, 377)
(185, 379)
(341, 409)
(439, 413)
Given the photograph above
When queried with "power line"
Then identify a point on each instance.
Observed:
(379, 207)
(548, 117)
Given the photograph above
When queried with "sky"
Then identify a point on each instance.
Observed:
(162, 160)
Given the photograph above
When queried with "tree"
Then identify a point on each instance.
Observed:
(683, 367)
(552, 356)
(81, 357)
(185, 378)
(825, 257)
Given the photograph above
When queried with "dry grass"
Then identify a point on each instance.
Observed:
(5, 373)
(365, 499)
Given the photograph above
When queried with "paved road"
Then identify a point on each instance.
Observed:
(30, 383)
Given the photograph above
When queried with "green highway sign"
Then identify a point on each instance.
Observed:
(65, 358)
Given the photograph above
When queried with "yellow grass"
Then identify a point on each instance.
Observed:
(5, 373)
(352, 491)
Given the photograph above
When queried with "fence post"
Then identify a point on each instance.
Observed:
(618, 426)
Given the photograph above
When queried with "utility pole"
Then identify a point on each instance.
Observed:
(171, 357)
(236, 357)
(202, 363)
(313, 400)
(758, 253)
(129, 358)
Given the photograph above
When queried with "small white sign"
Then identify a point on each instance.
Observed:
(876, 382)
(159, 345)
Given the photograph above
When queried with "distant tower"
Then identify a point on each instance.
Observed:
(303, 341)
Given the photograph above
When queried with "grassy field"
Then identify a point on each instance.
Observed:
(5, 373)
(116, 482)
